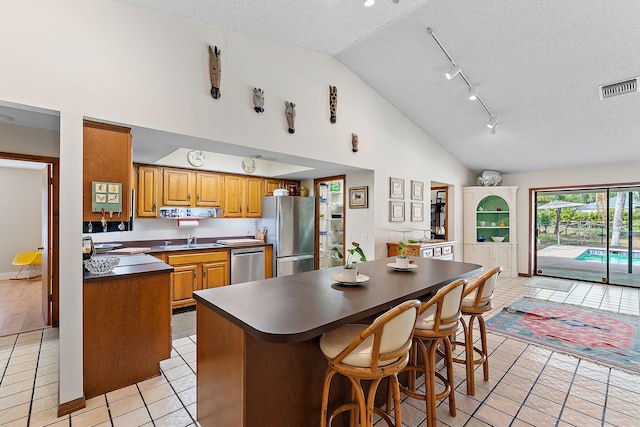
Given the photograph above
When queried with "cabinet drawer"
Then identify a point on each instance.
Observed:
(179, 259)
(446, 250)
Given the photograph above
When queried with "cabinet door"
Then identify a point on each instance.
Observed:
(209, 189)
(147, 192)
(253, 197)
(185, 279)
(503, 257)
(215, 274)
(232, 207)
(486, 256)
(177, 187)
(270, 185)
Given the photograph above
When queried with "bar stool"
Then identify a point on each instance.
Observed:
(369, 352)
(477, 300)
(439, 318)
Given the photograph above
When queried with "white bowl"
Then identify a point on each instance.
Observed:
(497, 239)
(101, 265)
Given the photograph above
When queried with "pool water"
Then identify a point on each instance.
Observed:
(615, 257)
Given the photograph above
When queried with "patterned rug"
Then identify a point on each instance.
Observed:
(600, 336)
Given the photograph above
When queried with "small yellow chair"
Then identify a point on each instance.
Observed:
(31, 260)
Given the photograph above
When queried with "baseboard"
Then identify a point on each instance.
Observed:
(71, 406)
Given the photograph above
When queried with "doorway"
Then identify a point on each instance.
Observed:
(35, 298)
(588, 234)
(330, 221)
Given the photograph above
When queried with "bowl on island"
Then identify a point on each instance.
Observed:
(101, 265)
(497, 239)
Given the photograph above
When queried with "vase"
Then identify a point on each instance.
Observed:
(349, 274)
(402, 261)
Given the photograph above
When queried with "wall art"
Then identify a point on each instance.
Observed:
(354, 142)
(417, 190)
(396, 211)
(333, 103)
(215, 69)
(358, 197)
(396, 188)
(417, 212)
(290, 113)
(258, 100)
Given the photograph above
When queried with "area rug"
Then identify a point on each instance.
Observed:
(600, 336)
(552, 284)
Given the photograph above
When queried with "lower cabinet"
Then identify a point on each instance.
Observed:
(194, 271)
(490, 255)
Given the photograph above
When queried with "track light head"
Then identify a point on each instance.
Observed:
(369, 3)
(492, 131)
(473, 93)
(453, 71)
(493, 121)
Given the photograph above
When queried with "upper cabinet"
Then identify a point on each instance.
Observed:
(490, 227)
(107, 162)
(178, 187)
(209, 189)
(242, 196)
(148, 190)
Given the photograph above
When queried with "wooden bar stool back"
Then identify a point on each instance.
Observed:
(369, 352)
(477, 300)
(439, 318)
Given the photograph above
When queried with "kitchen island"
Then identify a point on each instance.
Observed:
(258, 359)
(127, 323)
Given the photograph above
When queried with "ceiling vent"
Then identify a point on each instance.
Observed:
(619, 88)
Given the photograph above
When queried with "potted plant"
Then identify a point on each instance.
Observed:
(402, 260)
(350, 271)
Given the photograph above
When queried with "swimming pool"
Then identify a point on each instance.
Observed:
(615, 256)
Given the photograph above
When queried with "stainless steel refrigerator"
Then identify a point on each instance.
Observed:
(290, 225)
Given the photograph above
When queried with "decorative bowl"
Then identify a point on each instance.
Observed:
(101, 265)
(482, 238)
(497, 239)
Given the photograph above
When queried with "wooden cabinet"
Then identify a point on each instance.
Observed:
(271, 184)
(242, 196)
(440, 250)
(148, 192)
(410, 250)
(177, 187)
(490, 213)
(196, 270)
(106, 158)
(209, 189)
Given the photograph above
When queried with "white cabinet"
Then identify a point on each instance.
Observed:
(331, 223)
(490, 237)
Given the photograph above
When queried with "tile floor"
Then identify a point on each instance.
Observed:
(529, 385)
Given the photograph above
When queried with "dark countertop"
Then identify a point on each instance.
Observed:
(205, 243)
(303, 306)
(130, 265)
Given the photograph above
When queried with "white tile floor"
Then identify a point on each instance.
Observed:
(529, 385)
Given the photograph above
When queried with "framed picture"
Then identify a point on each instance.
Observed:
(358, 197)
(396, 188)
(396, 211)
(417, 212)
(417, 190)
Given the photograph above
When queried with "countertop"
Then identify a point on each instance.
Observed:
(303, 306)
(159, 246)
(130, 265)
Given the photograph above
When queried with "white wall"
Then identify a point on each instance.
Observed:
(20, 216)
(597, 175)
(109, 61)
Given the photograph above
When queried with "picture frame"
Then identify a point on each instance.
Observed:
(417, 190)
(417, 212)
(396, 211)
(358, 197)
(396, 188)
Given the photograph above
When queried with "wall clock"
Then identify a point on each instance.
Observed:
(196, 158)
(248, 165)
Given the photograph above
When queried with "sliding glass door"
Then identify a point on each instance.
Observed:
(589, 234)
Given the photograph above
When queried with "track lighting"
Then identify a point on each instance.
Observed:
(493, 121)
(473, 93)
(453, 71)
(369, 3)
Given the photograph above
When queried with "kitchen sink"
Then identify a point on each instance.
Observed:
(194, 246)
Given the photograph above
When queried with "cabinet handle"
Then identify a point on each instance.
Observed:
(204, 274)
(195, 275)
(154, 206)
(198, 196)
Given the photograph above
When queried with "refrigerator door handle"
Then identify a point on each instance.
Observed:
(296, 258)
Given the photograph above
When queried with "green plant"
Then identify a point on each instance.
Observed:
(402, 247)
(356, 249)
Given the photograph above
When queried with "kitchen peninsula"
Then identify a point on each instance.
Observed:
(258, 359)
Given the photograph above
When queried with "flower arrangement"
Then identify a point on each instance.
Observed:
(349, 261)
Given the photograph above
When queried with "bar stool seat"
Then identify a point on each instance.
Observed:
(369, 352)
(439, 318)
(477, 300)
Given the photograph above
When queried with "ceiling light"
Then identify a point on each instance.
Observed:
(492, 131)
(493, 121)
(473, 93)
(455, 69)
(369, 3)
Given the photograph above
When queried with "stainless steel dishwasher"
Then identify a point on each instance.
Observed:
(247, 264)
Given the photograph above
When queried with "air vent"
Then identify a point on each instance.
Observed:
(619, 88)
